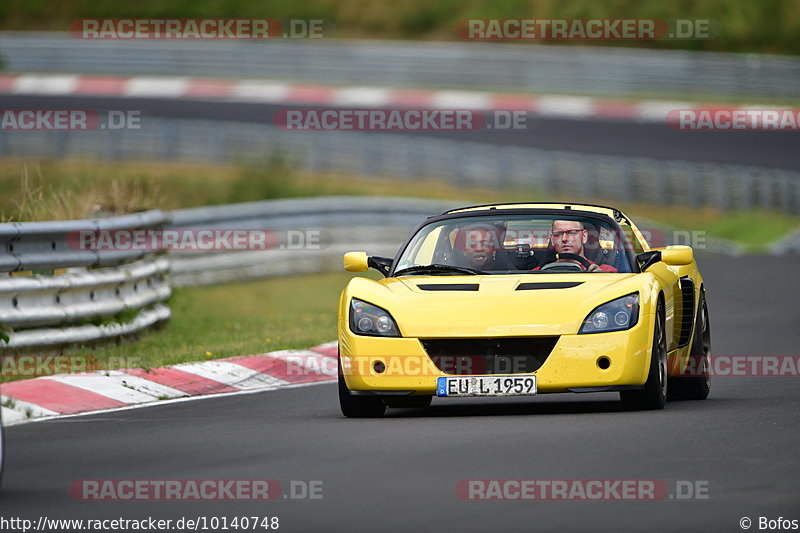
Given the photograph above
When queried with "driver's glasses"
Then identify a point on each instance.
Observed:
(572, 233)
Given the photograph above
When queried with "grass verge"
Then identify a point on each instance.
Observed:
(51, 190)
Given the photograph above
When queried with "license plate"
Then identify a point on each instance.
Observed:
(486, 386)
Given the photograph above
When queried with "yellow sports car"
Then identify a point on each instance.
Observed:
(523, 299)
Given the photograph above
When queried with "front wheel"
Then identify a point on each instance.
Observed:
(697, 385)
(358, 406)
(654, 393)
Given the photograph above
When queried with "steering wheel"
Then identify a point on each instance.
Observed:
(568, 267)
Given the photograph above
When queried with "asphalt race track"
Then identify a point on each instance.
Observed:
(768, 149)
(399, 473)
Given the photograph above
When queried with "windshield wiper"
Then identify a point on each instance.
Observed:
(437, 268)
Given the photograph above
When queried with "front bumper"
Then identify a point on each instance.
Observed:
(574, 362)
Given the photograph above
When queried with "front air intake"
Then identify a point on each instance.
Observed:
(501, 355)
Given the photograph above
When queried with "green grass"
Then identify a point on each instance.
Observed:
(67, 189)
(752, 228)
(236, 319)
(746, 25)
(48, 190)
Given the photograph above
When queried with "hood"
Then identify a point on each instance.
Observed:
(495, 305)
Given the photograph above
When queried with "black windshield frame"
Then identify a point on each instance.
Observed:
(627, 248)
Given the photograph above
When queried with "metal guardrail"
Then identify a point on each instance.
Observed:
(461, 65)
(43, 310)
(46, 245)
(546, 173)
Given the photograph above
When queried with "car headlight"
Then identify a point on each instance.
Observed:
(368, 319)
(616, 315)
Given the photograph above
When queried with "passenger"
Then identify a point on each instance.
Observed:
(479, 244)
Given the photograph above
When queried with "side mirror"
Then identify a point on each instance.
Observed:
(677, 255)
(356, 262)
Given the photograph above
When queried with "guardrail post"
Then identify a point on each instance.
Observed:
(626, 180)
(693, 185)
(503, 166)
(112, 144)
(414, 157)
(540, 168)
(785, 195)
(457, 174)
(169, 139)
(746, 186)
(369, 154)
(218, 137)
(722, 193)
(61, 143)
(661, 182)
(318, 160)
(765, 192)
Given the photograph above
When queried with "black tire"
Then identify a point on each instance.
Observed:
(358, 406)
(409, 402)
(696, 387)
(654, 393)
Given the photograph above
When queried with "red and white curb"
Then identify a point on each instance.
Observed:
(70, 394)
(265, 91)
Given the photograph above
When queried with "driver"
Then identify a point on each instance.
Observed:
(569, 237)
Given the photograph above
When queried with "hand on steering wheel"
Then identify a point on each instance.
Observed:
(583, 263)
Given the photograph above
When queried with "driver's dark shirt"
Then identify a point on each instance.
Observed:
(604, 268)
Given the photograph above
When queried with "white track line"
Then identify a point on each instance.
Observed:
(167, 402)
(231, 374)
(461, 100)
(563, 106)
(19, 413)
(45, 84)
(156, 87)
(260, 91)
(362, 97)
(117, 386)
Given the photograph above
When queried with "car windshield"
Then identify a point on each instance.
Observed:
(513, 244)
